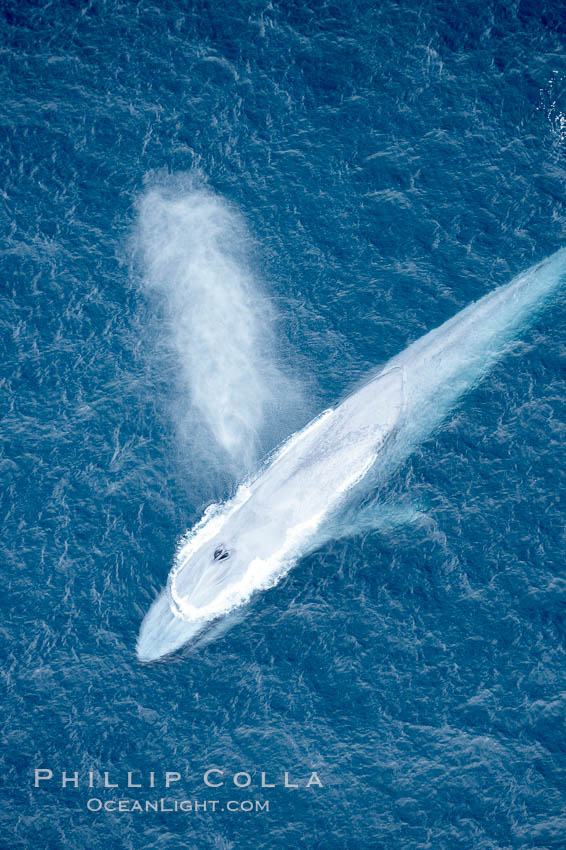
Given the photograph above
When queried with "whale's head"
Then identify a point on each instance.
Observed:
(202, 587)
(163, 631)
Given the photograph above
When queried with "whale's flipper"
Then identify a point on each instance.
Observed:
(383, 517)
(377, 516)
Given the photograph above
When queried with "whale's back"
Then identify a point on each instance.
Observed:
(334, 451)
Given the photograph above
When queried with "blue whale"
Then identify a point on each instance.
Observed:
(247, 544)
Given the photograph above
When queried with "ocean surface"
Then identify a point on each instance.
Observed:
(216, 219)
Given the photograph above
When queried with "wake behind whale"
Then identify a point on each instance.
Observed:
(248, 543)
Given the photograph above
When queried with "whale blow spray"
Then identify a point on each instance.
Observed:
(193, 250)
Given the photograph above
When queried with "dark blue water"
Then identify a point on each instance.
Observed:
(391, 162)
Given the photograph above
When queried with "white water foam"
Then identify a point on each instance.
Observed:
(549, 104)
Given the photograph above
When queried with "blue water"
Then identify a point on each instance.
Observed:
(388, 163)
